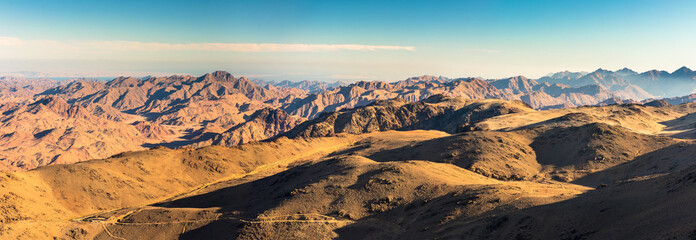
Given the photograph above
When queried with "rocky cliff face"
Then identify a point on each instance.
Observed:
(263, 124)
(437, 112)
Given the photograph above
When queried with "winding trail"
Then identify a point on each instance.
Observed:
(115, 219)
(261, 221)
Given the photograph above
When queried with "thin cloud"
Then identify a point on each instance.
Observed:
(242, 47)
(225, 47)
(10, 41)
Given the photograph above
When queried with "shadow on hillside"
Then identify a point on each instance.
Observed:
(616, 210)
(249, 200)
(667, 160)
(642, 209)
(188, 139)
(267, 192)
(686, 124)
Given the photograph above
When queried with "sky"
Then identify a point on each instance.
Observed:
(343, 40)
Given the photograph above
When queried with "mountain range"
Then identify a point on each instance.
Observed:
(442, 167)
(218, 108)
(655, 82)
(567, 156)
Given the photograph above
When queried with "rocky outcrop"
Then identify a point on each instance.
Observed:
(263, 124)
(437, 112)
(52, 131)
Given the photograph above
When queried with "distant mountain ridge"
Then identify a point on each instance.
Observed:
(658, 83)
(309, 86)
(218, 108)
(18, 89)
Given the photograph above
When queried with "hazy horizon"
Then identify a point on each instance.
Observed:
(360, 40)
(39, 75)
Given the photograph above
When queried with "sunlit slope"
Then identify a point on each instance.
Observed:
(517, 180)
(63, 192)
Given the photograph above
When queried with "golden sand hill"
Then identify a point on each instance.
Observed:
(621, 171)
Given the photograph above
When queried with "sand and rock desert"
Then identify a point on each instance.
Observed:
(310, 119)
(220, 157)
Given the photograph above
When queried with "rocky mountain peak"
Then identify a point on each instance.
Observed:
(220, 76)
(626, 72)
(684, 72)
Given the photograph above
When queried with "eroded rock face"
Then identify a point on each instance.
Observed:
(152, 130)
(52, 131)
(437, 112)
(263, 124)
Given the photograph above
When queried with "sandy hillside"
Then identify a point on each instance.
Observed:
(510, 181)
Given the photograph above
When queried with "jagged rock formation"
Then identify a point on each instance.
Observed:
(263, 124)
(185, 110)
(421, 81)
(546, 95)
(52, 131)
(152, 130)
(204, 105)
(631, 84)
(98, 119)
(171, 100)
(363, 93)
(437, 112)
(171, 91)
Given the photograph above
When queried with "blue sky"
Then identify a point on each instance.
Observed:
(344, 40)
